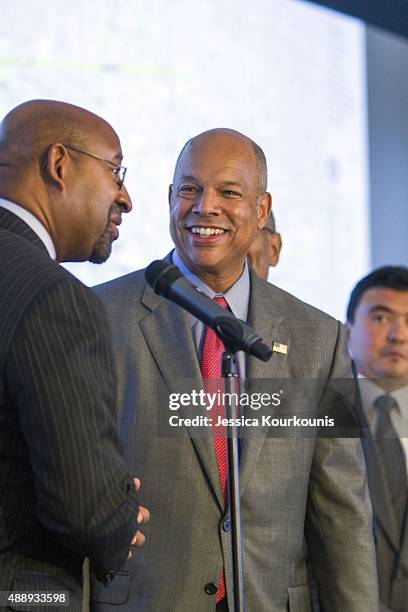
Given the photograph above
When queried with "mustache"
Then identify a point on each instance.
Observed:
(115, 209)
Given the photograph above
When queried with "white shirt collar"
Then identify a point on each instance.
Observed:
(32, 222)
(370, 391)
(237, 296)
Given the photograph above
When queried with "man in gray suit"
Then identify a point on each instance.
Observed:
(64, 491)
(377, 321)
(218, 201)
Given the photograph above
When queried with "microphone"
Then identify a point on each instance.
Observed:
(167, 280)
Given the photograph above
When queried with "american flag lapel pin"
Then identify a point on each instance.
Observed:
(277, 347)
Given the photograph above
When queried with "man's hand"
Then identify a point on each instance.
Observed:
(143, 516)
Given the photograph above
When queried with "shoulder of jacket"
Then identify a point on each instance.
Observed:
(295, 308)
(128, 286)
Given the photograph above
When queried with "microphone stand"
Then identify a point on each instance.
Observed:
(167, 280)
(229, 374)
(230, 332)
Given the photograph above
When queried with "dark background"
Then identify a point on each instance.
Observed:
(391, 15)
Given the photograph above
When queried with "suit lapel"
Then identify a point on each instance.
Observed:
(167, 331)
(266, 318)
(403, 559)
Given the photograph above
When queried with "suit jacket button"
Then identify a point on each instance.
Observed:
(226, 525)
(107, 579)
(210, 588)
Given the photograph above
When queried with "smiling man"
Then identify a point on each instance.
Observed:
(217, 205)
(377, 321)
(218, 202)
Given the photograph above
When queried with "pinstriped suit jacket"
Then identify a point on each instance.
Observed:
(289, 486)
(64, 493)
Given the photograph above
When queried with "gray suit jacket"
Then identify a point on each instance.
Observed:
(289, 485)
(64, 493)
(392, 555)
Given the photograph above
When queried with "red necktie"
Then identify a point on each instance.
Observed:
(211, 362)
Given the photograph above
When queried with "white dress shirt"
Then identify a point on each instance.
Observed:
(32, 222)
(237, 297)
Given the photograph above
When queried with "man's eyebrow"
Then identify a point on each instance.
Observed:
(188, 177)
(231, 183)
(382, 308)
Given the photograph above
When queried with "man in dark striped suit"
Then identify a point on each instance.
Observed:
(64, 492)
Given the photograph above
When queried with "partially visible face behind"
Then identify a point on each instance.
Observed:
(378, 338)
(214, 213)
(264, 252)
(98, 202)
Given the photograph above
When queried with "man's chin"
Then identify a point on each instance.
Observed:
(206, 262)
(396, 368)
(398, 376)
(392, 378)
(101, 250)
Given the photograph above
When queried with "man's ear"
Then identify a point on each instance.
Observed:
(170, 194)
(264, 209)
(274, 247)
(55, 165)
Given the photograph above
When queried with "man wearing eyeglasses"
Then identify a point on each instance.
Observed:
(64, 492)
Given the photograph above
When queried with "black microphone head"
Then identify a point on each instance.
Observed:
(160, 275)
(154, 270)
(261, 350)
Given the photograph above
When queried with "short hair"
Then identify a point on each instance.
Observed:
(387, 277)
(260, 159)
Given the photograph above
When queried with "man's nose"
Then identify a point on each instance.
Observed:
(207, 203)
(123, 200)
(399, 330)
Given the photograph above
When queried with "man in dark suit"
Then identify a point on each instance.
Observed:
(289, 485)
(64, 491)
(377, 321)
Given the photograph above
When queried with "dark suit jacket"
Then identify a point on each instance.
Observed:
(392, 554)
(288, 485)
(64, 493)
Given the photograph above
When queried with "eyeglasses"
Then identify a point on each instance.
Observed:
(118, 171)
